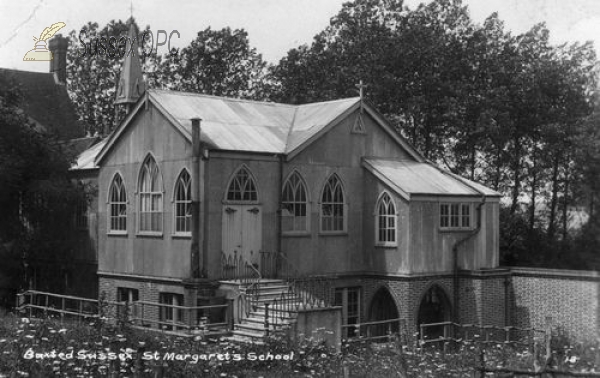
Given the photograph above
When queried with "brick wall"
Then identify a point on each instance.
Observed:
(482, 298)
(148, 291)
(570, 297)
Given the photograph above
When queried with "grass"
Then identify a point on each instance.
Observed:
(94, 349)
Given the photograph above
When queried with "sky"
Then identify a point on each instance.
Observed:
(273, 26)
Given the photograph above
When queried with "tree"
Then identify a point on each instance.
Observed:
(216, 62)
(94, 61)
(37, 197)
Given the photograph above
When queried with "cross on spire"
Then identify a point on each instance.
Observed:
(131, 8)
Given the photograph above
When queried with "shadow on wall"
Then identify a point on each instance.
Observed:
(520, 316)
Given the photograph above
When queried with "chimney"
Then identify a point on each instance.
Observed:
(58, 65)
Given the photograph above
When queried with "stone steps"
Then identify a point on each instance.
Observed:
(252, 328)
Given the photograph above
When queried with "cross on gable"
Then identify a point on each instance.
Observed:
(360, 87)
(358, 126)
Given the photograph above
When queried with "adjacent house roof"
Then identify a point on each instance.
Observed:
(86, 159)
(46, 103)
(410, 178)
(252, 126)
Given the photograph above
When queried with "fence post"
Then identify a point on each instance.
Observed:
(266, 319)
(229, 315)
(482, 370)
(548, 339)
(422, 337)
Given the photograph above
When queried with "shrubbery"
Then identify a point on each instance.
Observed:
(21, 339)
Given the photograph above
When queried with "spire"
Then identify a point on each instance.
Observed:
(131, 83)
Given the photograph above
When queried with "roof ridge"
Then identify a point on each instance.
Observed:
(194, 94)
(262, 102)
(26, 72)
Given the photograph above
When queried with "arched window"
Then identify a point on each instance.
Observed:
(294, 205)
(117, 205)
(182, 203)
(151, 197)
(242, 187)
(386, 221)
(333, 212)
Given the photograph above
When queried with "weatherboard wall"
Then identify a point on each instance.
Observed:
(339, 150)
(163, 255)
(431, 247)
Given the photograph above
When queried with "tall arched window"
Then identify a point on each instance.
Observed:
(151, 197)
(182, 203)
(117, 205)
(386, 221)
(242, 187)
(294, 205)
(333, 212)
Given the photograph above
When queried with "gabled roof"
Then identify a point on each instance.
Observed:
(412, 178)
(46, 103)
(253, 126)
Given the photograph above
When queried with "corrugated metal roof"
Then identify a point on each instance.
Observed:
(411, 177)
(241, 125)
(86, 160)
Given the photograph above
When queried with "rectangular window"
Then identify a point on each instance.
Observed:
(127, 295)
(455, 215)
(81, 216)
(169, 315)
(294, 217)
(349, 300)
(183, 217)
(151, 212)
(118, 216)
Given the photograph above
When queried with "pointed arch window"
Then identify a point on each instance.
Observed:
(242, 187)
(151, 197)
(333, 206)
(117, 205)
(386, 221)
(182, 203)
(294, 205)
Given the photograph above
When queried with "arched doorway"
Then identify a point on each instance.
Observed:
(434, 308)
(383, 307)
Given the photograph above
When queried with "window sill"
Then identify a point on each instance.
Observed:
(157, 235)
(450, 230)
(386, 245)
(116, 233)
(181, 236)
(296, 234)
(333, 233)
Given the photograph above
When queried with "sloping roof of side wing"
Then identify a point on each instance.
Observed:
(412, 178)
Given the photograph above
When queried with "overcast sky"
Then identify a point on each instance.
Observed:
(274, 26)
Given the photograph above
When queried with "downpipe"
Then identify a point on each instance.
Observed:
(455, 278)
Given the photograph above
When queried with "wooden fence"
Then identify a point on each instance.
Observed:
(211, 320)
